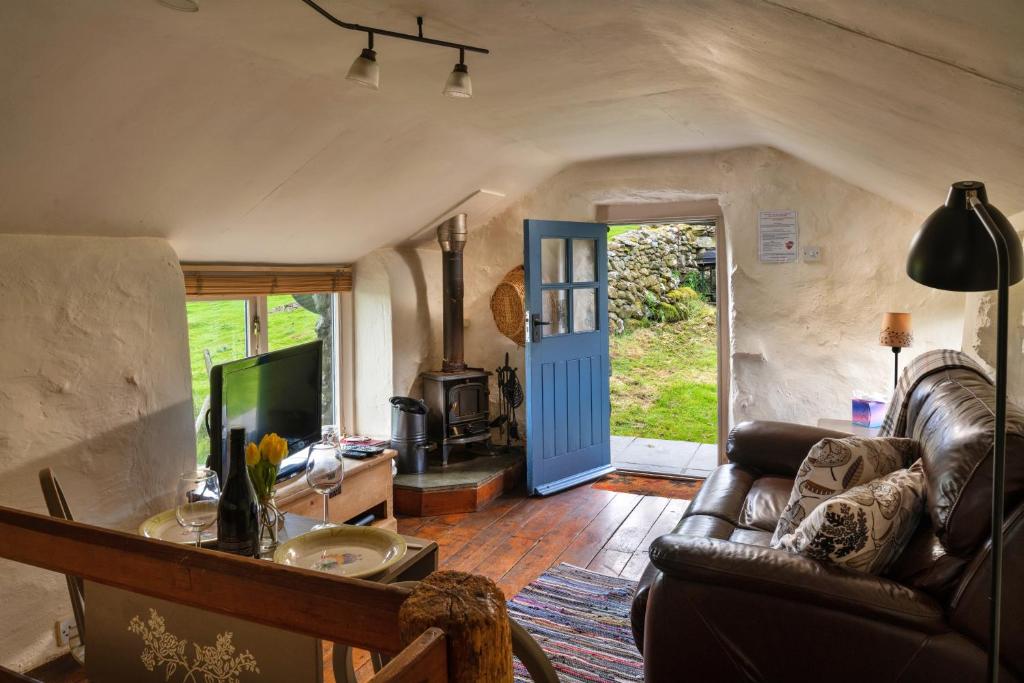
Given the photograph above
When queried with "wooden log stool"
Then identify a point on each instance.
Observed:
(471, 610)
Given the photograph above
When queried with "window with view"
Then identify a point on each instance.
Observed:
(224, 330)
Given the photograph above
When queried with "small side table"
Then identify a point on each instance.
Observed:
(421, 560)
(847, 426)
(368, 488)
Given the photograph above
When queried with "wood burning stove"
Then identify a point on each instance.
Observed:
(457, 396)
(457, 404)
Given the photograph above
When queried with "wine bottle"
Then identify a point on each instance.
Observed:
(238, 511)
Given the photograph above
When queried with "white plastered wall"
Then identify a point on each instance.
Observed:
(979, 335)
(94, 383)
(804, 335)
(390, 349)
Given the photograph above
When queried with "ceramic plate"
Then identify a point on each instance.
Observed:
(352, 551)
(164, 526)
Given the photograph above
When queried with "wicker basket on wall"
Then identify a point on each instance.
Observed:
(508, 305)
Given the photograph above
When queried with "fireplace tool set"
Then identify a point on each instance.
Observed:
(510, 397)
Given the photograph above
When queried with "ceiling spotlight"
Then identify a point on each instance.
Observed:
(458, 83)
(181, 5)
(365, 70)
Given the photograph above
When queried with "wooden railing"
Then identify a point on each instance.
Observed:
(424, 661)
(8, 676)
(362, 614)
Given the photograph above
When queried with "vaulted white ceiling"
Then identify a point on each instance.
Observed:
(233, 133)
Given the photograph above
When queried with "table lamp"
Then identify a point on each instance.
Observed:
(897, 334)
(967, 245)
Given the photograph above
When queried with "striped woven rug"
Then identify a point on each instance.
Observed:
(581, 620)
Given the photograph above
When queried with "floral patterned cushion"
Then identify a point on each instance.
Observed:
(865, 528)
(835, 465)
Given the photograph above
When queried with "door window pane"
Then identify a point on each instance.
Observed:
(216, 334)
(584, 310)
(294, 319)
(552, 260)
(555, 311)
(584, 261)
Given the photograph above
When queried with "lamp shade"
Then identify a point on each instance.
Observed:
(896, 331)
(365, 70)
(458, 83)
(954, 251)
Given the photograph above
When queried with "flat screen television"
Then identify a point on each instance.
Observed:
(278, 392)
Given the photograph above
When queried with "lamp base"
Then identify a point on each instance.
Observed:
(896, 366)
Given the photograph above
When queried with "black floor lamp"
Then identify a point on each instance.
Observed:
(955, 250)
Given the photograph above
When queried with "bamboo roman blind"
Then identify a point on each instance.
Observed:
(237, 280)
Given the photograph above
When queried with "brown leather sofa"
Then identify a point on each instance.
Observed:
(717, 604)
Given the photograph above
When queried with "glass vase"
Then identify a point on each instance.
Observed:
(270, 524)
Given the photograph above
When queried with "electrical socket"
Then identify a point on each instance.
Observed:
(64, 631)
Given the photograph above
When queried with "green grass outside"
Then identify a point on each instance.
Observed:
(663, 383)
(219, 326)
(616, 230)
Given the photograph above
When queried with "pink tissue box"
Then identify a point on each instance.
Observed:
(868, 413)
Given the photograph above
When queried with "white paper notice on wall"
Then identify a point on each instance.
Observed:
(778, 236)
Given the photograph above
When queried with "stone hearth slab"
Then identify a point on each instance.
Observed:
(465, 485)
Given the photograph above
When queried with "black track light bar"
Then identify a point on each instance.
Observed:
(394, 34)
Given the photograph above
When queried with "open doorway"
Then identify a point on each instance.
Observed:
(663, 316)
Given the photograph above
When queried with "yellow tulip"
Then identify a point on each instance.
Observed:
(273, 448)
(252, 454)
(281, 452)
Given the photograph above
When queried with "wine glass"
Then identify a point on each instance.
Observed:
(331, 434)
(198, 494)
(325, 471)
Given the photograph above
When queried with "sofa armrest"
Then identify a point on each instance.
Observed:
(761, 571)
(774, 447)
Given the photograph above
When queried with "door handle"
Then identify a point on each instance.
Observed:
(537, 324)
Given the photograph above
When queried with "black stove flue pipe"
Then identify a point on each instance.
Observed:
(451, 235)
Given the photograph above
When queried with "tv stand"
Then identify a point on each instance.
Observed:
(367, 488)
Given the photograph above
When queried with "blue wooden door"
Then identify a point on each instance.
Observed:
(567, 405)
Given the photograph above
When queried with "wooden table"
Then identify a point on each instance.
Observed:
(367, 488)
(421, 560)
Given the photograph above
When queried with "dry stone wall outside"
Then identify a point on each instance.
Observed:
(646, 264)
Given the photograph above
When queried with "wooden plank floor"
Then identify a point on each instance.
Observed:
(516, 538)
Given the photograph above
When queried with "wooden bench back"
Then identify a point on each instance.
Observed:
(359, 613)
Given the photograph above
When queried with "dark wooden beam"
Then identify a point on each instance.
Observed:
(8, 676)
(359, 613)
(425, 660)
